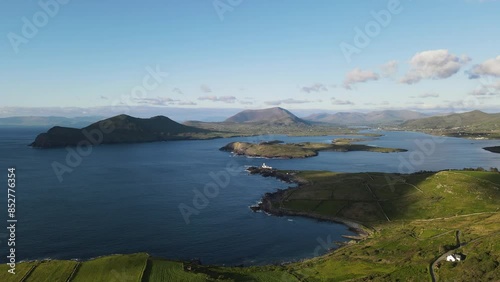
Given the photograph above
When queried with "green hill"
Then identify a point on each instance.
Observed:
(469, 124)
(119, 129)
(388, 117)
(271, 116)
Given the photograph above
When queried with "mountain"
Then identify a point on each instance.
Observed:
(475, 120)
(349, 118)
(271, 116)
(21, 121)
(117, 129)
(371, 118)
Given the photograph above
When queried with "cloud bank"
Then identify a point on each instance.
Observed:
(489, 67)
(433, 64)
(359, 76)
(224, 99)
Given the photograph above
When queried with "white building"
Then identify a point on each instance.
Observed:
(265, 166)
(453, 257)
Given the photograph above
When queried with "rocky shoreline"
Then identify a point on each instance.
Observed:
(266, 205)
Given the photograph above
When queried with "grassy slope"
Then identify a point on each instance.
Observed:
(425, 211)
(422, 226)
(113, 268)
(49, 271)
(21, 270)
(469, 124)
(164, 270)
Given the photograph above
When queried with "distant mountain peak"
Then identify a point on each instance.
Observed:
(275, 116)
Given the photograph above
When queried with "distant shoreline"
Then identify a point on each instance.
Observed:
(494, 149)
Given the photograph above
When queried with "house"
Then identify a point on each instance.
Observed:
(454, 258)
(265, 166)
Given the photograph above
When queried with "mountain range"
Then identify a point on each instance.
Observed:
(271, 116)
(474, 120)
(388, 117)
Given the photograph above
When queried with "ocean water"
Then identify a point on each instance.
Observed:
(126, 198)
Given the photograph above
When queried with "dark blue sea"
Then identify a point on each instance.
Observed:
(126, 198)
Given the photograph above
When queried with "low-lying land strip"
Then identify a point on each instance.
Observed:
(495, 149)
(299, 150)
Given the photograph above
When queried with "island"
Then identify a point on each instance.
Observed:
(300, 150)
(120, 129)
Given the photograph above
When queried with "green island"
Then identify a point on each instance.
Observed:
(278, 149)
(408, 224)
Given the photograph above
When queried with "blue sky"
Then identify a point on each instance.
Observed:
(250, 54)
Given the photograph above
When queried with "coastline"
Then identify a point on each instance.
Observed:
(265, 204)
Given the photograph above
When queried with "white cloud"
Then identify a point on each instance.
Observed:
(341, 102)
(389, 68)
(187, 103)
(487, 89)
(433, 64)
(482, 92)
(224, 99)
(428, 95)
(358, 76)
(158, 101)
(489, 67)
(317, 87)
(205, 88)
(286, 101)
(177, 90)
